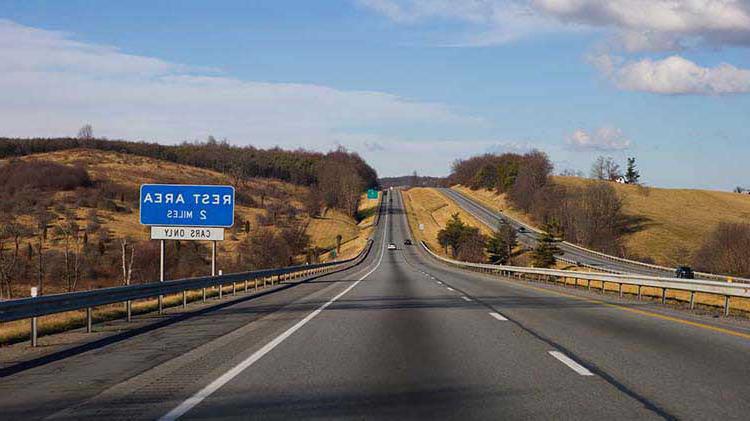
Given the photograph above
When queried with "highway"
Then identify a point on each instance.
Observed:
(529, 238)
(403, 337)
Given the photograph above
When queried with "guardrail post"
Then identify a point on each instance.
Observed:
(245, 285)
(89, 321)
(204, 295)
(588, 284)
(620, 289)
(184, 299)
(663, 295)
(33, 332)
(603, 287)
(234, 288)
(128, 311)
(692, 300)
(726, 305)
(639, 292)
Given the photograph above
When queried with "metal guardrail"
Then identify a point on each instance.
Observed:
(724, 278)
(693, 286)
(31, 308)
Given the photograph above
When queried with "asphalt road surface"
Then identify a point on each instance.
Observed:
(403, 337)
(529, 238)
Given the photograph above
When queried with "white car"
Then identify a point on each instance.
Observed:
(391, 246)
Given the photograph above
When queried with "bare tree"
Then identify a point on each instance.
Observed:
(86, 132)
(127, 264)
(605, 168)
(9, 263)
(42, 219)
(726, 250)
(68, 234)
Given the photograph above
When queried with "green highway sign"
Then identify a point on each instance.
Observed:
(372, 194)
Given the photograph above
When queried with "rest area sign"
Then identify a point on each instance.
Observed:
(187, 205)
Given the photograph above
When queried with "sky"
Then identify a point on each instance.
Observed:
(411, 85)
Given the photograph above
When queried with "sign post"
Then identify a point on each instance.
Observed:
(186, 212)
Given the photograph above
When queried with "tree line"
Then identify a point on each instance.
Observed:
(339, 176)
(590, 215)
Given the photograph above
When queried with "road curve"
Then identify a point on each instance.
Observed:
(529, 238)
(402, 336)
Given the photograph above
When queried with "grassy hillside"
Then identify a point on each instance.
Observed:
(430, 207)
(105, 208)
(673, 222)
(324, 229)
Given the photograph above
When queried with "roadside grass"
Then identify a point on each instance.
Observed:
(711, 301)
(494, 201)
(323, 230)
(428, 206)
(19, 330)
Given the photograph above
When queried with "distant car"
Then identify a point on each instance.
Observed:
(521, 229)
(391, 246)
(407, 242)
(685, 272)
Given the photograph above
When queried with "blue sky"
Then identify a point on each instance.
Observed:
(409, 84)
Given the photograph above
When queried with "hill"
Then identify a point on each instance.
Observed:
(80, 204)
(672, 223)
(430, 208)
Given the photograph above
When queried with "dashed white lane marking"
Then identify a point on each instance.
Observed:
(466, 298)
(571, 364)
(212, 387)
(498, 316)
(449, 289)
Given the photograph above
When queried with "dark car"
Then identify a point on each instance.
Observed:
(521, 229)
(407, 242)
(685, 272)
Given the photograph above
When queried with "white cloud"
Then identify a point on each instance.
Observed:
(486, 22)
(663, 22)
(642, 25)
(52, 84)
(675, 76)
(604, 139)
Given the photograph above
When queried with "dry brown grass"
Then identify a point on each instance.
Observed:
(323, 230)
(494, 201)
(131, 171)
(670, 219)
(19, 330)
(428, 206)
(673, 218)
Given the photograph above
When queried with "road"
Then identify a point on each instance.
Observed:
(403, 337)
(529, 238)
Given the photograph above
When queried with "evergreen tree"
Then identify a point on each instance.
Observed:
(546, 249)
(632, 175)
(501, 244)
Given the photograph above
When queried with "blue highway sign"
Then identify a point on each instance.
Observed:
(187, 205)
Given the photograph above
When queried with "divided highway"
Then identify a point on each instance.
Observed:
(529, 238)
(402, 336)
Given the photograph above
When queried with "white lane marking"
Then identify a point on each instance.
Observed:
(449, 289)
(207, 391)
(570, 363)
(498, 316)
(466, 298)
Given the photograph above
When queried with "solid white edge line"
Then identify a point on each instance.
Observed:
(449, 289)
(571, 364)
(212, 387)
(498, 316)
